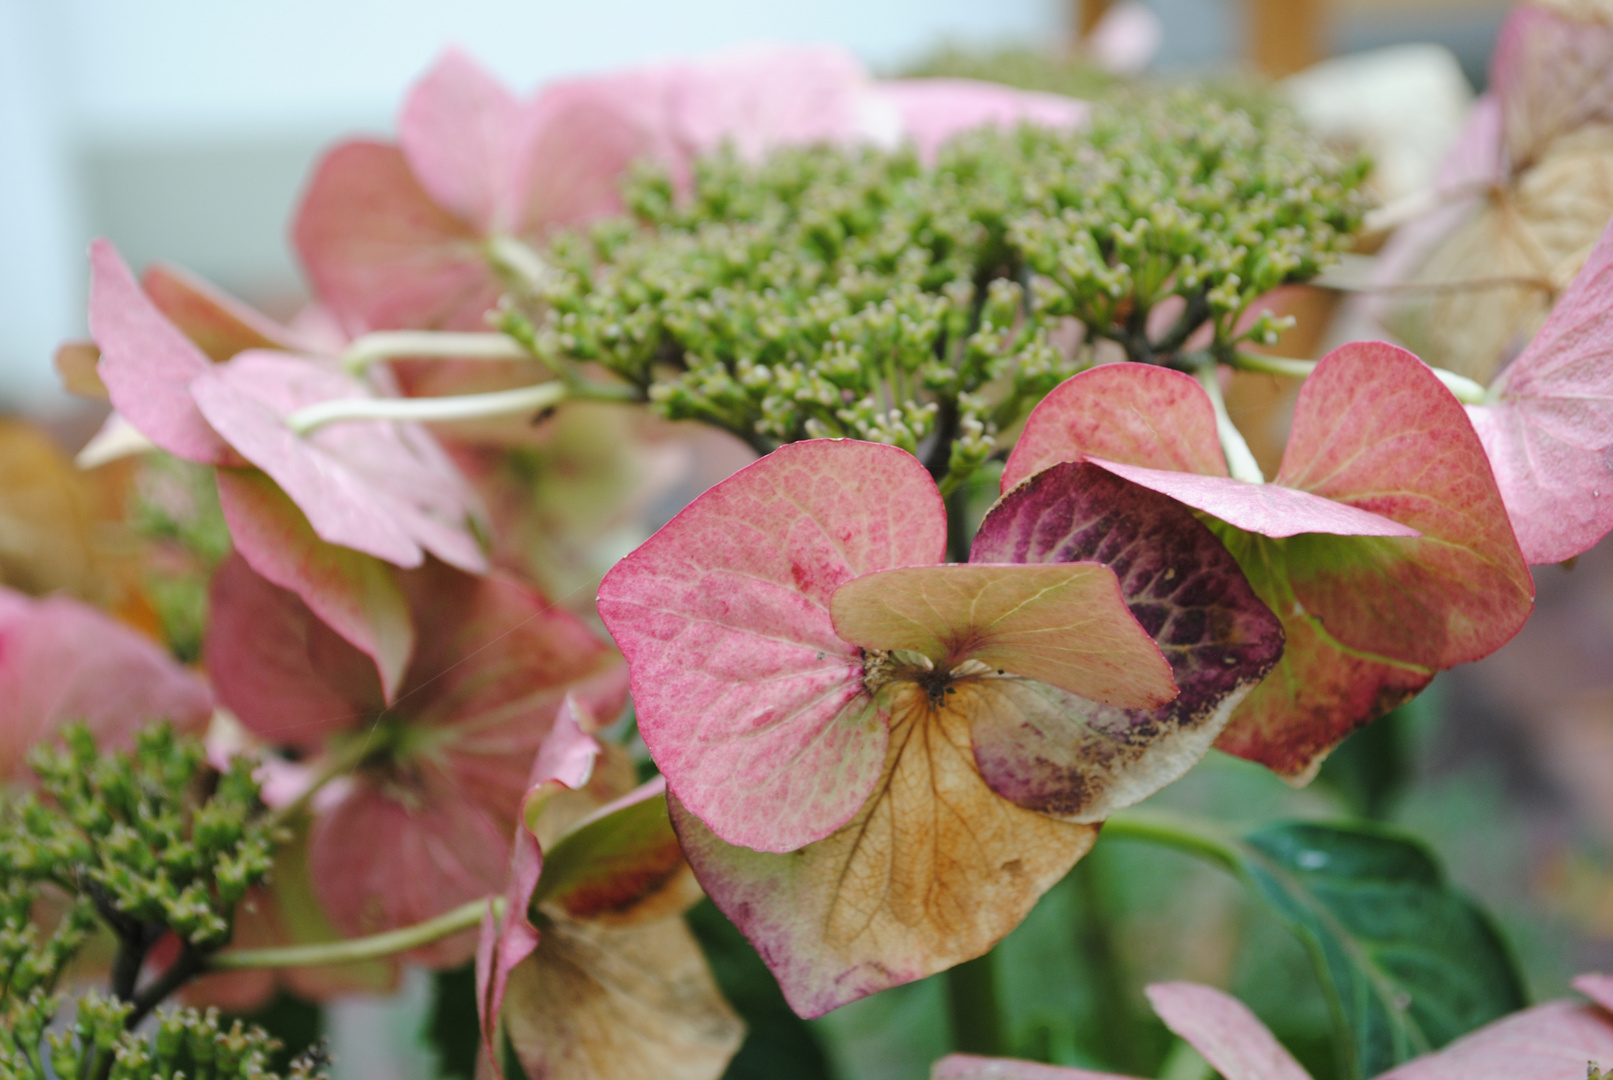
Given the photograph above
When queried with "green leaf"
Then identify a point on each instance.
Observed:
(1407, 962)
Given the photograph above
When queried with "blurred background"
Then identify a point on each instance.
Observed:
(182, 129)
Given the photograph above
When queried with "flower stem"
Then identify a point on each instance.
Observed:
(1097, 951)
(390, 344)
(1466, 390)
(1240, 460)
(459, 407)
(973, 1009)
(1173, 831)
(373, 947)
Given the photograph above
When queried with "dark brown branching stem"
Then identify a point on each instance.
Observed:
(939, 458)
(190, 964)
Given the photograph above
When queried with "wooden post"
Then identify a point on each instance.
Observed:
(1087, 14)
(1284, 35)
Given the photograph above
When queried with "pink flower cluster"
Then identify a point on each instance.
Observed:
(359, 627)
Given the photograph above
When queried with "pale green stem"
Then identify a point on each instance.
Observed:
(1240, 460)
(374, 947)
(1174, 831)
(1466, 390)
(522, 399)
(516, 260)
(394, 344)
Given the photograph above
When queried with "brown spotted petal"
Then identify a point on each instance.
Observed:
(1052, 751)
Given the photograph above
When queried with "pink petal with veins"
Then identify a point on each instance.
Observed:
(752, 706)
(1268, 509)
(356, 595)
(1137, 414)
(379, 487)
(146, 363)
(380, 254)
(1549, 435)
(1219, 1026)
(459, 130)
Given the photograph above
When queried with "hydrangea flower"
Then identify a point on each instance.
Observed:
(1548, 1042)
(62, 661)
(419, 234)
(1382, 544)
(1521, 198)
(1547, 423)
(424, 820)
(613, 984)
(877, 762)
(317, 512)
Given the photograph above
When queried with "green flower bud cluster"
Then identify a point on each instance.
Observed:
(864, 293)
(130, 831)
(144, 843)
(1189, 215)
(188, 1044)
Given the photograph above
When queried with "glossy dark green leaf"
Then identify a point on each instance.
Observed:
(1407, 961)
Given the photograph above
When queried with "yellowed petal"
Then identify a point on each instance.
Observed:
(1065, 624)
(1496, 276)
(627, 1003)
(933, 870)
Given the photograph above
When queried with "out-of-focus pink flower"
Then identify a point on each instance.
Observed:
(318, 512)
(379, 487)
(410, 235)
(424, 822)
(63, 661)
(1547, 1042)
(398, 236)
(1126, 39)
(929, 112)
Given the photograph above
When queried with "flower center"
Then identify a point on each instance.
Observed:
(881, 668)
